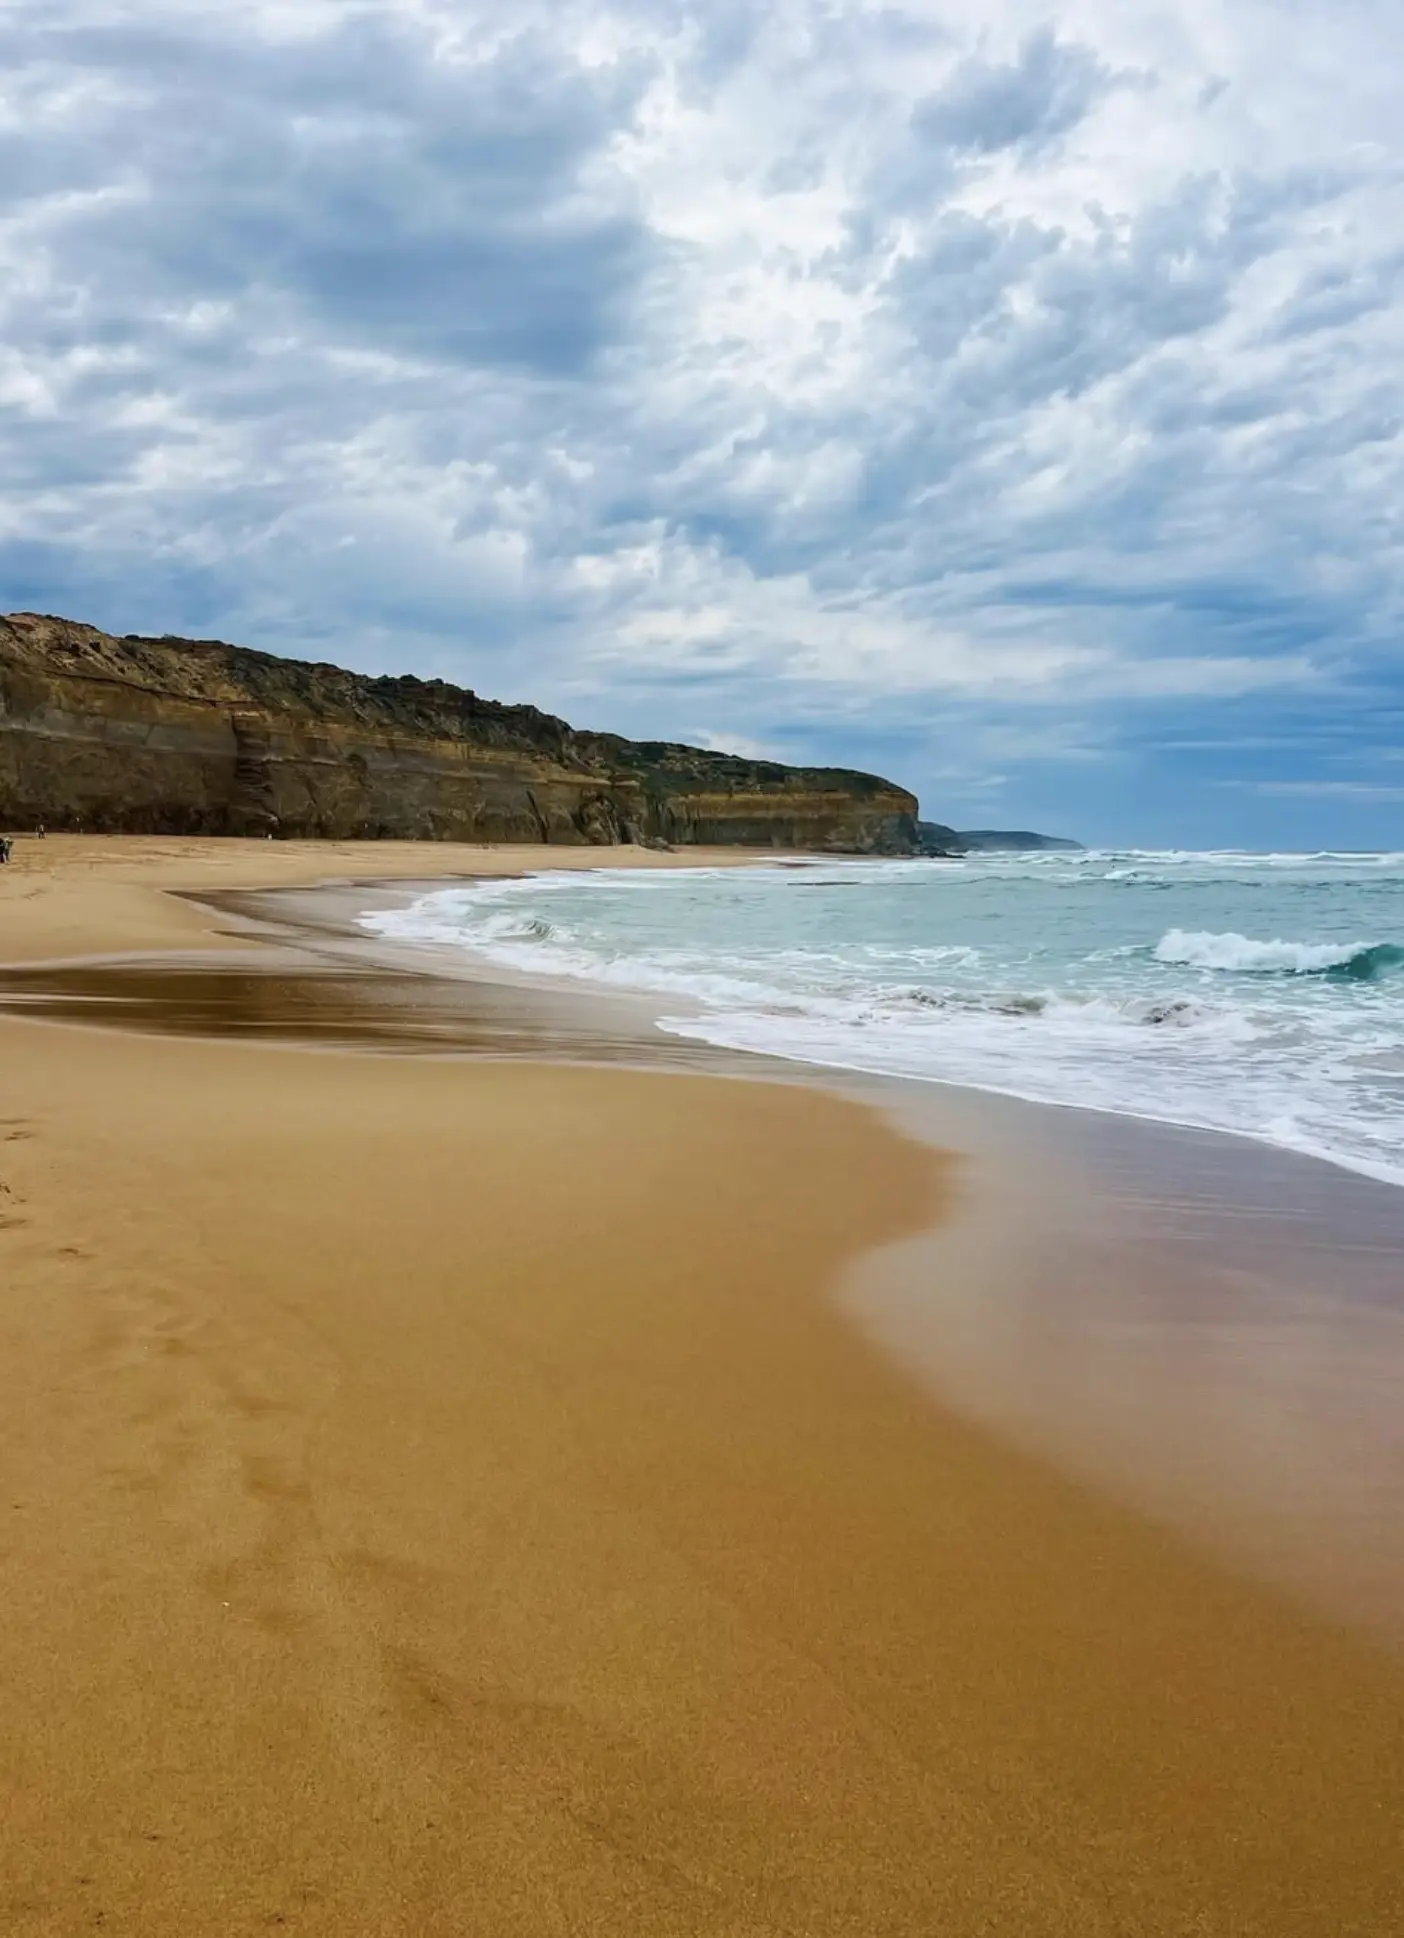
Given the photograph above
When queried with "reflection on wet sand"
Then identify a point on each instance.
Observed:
(1211, 1328)
(277, 997)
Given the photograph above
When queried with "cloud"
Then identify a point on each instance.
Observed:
(357, 187)
(833, 371)
(1332, 790)
(1025, 103)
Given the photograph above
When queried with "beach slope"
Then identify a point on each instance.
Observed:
(442, 1498)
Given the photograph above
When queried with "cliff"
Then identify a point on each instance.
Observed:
(178, 736)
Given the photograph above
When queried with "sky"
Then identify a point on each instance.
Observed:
(1006, 399)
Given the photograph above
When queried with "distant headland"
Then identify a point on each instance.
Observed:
(935, 839)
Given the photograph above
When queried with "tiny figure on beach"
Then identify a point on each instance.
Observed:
(6, 845)
(39, 832)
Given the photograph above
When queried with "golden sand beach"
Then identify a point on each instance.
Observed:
(444, 1497)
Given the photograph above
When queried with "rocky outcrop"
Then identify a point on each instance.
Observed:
(178, 736)
(934, 838)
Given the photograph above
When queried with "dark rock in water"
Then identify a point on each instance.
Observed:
(179, 736)
(1174, 1009)
(1013, 841)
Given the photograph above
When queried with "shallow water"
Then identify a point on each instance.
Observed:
(1258, 994)
(1211, 1328)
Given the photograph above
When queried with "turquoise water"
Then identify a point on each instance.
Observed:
(1260, 994)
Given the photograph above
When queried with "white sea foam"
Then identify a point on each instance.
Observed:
(1048, 977)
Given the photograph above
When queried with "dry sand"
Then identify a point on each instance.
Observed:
(439, 1498)
(75, 895)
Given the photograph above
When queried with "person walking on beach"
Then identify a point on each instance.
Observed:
(5, 846)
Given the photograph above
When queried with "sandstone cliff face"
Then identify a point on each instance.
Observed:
(175, 736)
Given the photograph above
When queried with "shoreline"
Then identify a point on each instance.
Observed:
(1126, 1255)
(454, 1496)
(346, 900)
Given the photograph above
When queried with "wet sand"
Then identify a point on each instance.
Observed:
(447, 1496)
(291, 999)
(1208, 1328)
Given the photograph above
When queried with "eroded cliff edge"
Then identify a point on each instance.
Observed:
(182, 736)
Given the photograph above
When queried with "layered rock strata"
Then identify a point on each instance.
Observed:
(179, 736)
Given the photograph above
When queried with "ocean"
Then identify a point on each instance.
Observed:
(1261, 994)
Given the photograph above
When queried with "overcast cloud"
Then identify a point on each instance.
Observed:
(1013, 407)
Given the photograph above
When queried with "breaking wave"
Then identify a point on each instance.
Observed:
(1239, 955)
(1037, 976)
